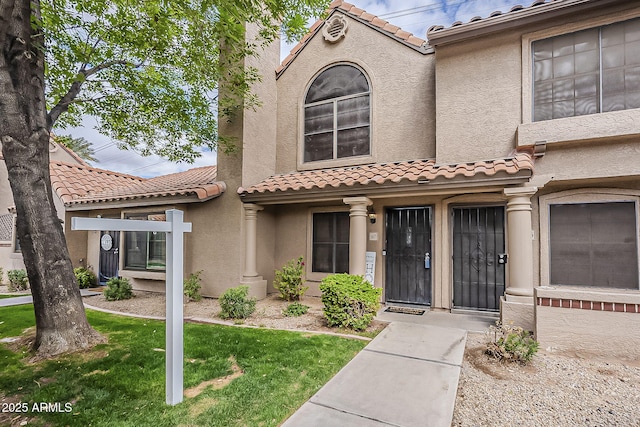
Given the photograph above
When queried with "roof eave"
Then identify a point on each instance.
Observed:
(424, 49)
(512, 20)
(132, 202)
(486, 183)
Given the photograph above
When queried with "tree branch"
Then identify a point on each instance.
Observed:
(63, 105)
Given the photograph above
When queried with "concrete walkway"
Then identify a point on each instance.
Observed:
(28, 299)
(406, 377)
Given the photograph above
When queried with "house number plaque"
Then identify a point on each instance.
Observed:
(106, 242)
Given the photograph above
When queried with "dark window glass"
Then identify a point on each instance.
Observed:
(337, 115)
(330, 242)
(594, 244)
(587, 72)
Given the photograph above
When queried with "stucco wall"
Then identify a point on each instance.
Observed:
(589, 322)
(478, 92)
(402, 87)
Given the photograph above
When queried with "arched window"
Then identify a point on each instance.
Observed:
(337, 115)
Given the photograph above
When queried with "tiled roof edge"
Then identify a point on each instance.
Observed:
(360, 15)
(517, 16)
(411, 171)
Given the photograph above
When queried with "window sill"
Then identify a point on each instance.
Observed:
(336, 163)
(613, 125)
(141, 274)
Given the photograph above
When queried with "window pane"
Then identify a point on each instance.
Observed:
(353, 112)
(323, 123)
(136, 249)
(323, 258)
(330, 242)
(353, 142)
(318, 118)
(318, 147)
(335, 82)
(342, 259)
(563, 66)
(594, 244)
(342, 227)
(157, 251)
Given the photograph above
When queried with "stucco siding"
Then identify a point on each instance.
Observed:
(402, 87)
(478, 92)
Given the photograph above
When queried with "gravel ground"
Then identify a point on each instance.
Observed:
(553, 390)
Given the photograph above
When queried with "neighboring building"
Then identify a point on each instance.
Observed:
(10, 254)
(138, 256)
(492, 169)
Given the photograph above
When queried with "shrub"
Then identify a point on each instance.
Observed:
(85, 277)
(349, 301)
(1, 275)
(289, 280)
(236, 304)
(511, 343)
(192, 286)
(18, 280)
(118, 288)
(295, 309)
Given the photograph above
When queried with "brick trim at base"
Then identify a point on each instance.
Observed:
(618, 307)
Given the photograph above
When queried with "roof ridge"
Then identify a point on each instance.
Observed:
(358, 14)
(90, 168)
(157, 178)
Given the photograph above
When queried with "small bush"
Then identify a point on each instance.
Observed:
(18, 280)
(295, 309)
(192, 285)
(289, 281)
(1, 275)
(511, 343)
(349, 301)
(236, 304)
(85, 277)
(118, 288)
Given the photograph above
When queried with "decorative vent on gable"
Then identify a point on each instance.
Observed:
(335, 29)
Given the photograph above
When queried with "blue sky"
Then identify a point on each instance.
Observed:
(415, 16)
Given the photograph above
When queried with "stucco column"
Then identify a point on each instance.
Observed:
(517, 304)
(357, 233)
(250, 239)
(250, 277)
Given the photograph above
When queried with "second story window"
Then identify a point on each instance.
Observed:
(587, 72)
(337, 115)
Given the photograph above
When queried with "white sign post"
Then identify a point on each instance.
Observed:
(175, 228)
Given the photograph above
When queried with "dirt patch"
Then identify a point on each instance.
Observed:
(216, 383)
(268, 313)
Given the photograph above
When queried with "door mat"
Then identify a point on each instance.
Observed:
(406, 310)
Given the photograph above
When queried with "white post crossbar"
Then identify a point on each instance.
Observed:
(175, 227)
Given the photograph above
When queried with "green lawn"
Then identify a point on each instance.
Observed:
(122, 383)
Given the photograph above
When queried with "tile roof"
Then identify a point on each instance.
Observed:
(77, 184)
(411, 172)
(516, 8)
(362, 16)
(518, 15)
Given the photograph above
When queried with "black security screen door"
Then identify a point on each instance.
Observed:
(408, 255)
(109, 255)
(478, 258)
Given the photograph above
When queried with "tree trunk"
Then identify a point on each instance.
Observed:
(61, 323)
